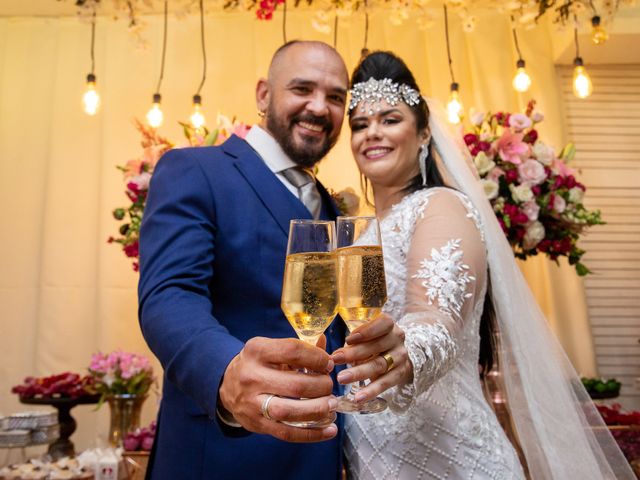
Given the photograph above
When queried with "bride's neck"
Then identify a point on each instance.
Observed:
(386, 197)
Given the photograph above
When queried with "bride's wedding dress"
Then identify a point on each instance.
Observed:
(440, 426)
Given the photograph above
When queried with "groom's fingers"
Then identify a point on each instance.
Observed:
(298, 435)
(299, 410)
(257, 372)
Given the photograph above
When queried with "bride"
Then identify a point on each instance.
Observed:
(448, 269)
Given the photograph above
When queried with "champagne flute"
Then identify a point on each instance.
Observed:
(362, 290)
(309, 290)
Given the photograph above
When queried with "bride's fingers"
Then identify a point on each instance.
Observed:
(354, 354)
(377, 367)
(377, 328)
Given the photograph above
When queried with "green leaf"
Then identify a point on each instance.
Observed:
(211, 138)
(582, 269)
(568, 152)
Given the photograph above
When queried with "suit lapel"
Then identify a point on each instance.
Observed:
(280, 202)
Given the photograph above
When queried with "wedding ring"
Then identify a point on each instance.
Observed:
(389, 359)
(265, 407)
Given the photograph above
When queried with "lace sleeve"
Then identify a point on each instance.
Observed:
(446, 268)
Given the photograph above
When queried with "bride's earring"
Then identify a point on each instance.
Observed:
(423, 154)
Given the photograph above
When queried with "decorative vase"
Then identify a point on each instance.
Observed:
(125, 416)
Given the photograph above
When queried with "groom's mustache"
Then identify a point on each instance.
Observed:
(325, 123)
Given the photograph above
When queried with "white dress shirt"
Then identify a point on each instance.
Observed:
(272, 154)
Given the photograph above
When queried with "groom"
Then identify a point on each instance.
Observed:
(212, 253)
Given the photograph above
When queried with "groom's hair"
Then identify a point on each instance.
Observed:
(275, 59)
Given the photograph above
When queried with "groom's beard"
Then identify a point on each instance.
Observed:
(310, 150)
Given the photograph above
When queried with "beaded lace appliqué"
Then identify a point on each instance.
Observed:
(446, 277)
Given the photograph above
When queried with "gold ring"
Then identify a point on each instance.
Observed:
(265, 407)
(389, 359)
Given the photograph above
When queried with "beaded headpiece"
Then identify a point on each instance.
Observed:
(370, 93)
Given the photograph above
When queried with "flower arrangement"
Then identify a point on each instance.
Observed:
(61, 385)
(138, 171)
(120, 373)
(627, 433)
(534, 193)
(141, 439)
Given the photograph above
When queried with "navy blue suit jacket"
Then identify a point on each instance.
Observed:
(212, 252)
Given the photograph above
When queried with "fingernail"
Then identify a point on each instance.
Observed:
(360, 397)
(330, 365)
(344, 377)
(354, 337)
(339, 358)
(333, 404)
(330, 431)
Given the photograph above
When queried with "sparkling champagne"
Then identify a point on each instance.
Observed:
(309, 293)
(362, 288)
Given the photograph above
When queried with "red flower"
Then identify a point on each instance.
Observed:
(470, 138)
(536, 190)
(131, 250)
(570, 181)
(484, 146)
(531, 136)
(511, 175)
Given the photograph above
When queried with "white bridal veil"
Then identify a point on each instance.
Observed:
(560, 431)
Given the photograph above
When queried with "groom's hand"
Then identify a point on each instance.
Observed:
(262, 369)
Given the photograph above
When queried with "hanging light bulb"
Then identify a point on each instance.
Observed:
(155, 116)
(521, 81)
(454, 107)
(598, 34)
(90, 98)
(582, 86)
(197, 118)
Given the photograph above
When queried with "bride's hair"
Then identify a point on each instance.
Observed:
(379, 65)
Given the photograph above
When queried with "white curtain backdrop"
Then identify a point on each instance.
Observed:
(64, 292)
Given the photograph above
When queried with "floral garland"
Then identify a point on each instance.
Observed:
(535, 195)
(525, 13)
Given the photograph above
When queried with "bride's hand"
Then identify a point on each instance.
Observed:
(365, 349)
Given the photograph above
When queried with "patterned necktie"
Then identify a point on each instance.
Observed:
(307, 190)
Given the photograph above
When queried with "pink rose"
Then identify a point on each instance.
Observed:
(559, 204)
(531, 209)
(519, 121)
(531, 172)
(511, 147)
(495, 173)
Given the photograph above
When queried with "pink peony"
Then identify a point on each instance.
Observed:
(532, 172)
(511, 147)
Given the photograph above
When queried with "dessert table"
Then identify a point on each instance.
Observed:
(63, 446)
